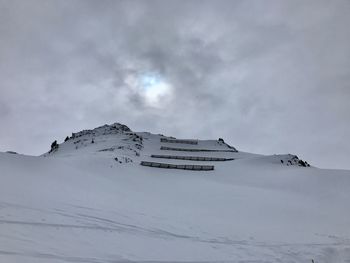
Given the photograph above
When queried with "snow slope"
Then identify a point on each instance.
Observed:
(91, 201)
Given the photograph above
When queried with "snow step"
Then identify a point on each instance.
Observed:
(179, 166)
(179, 141)
(193, 150)
(192, 158)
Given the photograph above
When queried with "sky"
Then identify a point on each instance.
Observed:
(267, 76)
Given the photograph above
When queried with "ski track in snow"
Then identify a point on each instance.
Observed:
(90, 222)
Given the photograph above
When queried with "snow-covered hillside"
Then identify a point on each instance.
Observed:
(89, 200)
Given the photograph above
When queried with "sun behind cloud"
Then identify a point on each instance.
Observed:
(155, 90)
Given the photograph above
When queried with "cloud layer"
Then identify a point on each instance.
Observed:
(269, 77)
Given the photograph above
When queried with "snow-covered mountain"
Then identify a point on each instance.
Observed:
(88, 199)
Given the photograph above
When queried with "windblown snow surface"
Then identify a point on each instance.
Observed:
(91, 201)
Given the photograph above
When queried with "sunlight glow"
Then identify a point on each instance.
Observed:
(152, 87)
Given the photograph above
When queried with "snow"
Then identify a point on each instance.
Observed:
(78, 204)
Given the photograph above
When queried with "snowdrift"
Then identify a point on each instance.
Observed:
(89, 200)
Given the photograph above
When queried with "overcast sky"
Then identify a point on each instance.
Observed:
(267, 76)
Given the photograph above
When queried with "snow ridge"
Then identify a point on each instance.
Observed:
(90, 200)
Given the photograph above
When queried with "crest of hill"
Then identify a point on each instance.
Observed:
(107, 140)
(117, 141)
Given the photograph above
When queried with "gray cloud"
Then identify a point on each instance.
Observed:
(269, 77)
